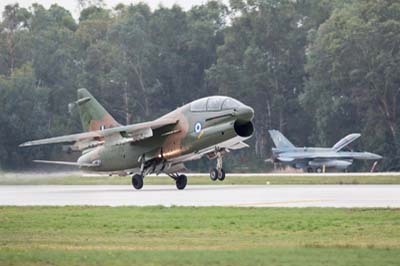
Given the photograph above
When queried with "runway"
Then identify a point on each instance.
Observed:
(205, 195)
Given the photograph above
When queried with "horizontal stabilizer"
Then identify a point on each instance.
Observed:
(345, 141)
(66, 163)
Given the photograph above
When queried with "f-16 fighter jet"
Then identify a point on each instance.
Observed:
(316, 159)
(209, 127)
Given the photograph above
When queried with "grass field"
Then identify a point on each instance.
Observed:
(76, 179)
(198, 236)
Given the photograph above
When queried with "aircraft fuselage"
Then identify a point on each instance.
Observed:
(193, 132)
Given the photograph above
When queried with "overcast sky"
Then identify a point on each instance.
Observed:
(72, 6)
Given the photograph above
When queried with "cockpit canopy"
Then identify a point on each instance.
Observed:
(214, 103)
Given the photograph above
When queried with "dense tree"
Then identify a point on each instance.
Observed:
(354, 75)
(314, 69)
(23, 108)
(261, 61)
(15, 19)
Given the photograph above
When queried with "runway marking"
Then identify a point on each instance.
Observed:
(206, 195)
(277, 203)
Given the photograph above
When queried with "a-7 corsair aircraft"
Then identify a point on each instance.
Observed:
(209, 126)
(316, 159)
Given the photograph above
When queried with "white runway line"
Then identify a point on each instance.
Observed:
(299, 174)
(205, 195)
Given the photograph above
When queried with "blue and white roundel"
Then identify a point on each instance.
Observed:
(197, 127)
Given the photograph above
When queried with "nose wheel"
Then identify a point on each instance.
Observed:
(218, 173)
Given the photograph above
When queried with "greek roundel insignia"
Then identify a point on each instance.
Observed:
(197, 127)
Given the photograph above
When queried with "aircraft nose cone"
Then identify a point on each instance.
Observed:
(245, 113)
(375, 156)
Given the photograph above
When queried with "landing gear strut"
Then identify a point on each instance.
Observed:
(218, 172)
(137, 179)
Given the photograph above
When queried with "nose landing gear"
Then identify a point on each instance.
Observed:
(218, 172)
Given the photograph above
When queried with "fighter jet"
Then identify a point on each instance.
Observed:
(210, 126)
(317, 159)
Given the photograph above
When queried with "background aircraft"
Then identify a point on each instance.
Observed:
(316, 159)
(209, 126)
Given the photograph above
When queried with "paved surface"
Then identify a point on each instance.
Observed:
(215, 195)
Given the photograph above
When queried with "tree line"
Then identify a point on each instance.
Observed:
(316, 70)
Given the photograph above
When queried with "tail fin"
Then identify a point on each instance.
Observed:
(93, 115)
(280, 141)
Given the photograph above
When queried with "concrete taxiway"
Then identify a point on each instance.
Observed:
(205, 195)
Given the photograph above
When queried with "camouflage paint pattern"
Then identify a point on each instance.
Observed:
(187, 133)
(93, 115)
(172, 141)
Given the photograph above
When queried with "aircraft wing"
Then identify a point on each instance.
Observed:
(345, 141)
(66, 163)
(131, 133)
(290, 156)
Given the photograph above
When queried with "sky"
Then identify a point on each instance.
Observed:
(72, 5)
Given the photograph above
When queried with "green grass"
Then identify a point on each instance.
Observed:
(24, 179)
(198, 236)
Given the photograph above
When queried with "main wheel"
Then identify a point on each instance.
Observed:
(137, 181)
(214, 174)
(221, 175)
(181, 182)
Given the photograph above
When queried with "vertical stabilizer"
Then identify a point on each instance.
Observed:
(280, 141)
(93, 115)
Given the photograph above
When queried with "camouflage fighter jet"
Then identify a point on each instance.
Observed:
(315, 159)
(209, 127)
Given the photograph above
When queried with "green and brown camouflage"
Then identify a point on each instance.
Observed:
(177, 141)
(209, 126)
(93, 115)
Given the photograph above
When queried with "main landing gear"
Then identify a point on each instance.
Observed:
(218, 172)
(180, 181)
(137, 181)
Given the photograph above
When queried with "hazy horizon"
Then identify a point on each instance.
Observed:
(72, 6)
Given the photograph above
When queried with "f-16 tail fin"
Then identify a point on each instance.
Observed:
(280, 141)
(345, 141)
(93, 115)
